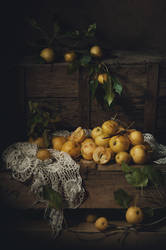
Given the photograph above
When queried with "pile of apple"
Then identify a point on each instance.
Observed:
(108, 142)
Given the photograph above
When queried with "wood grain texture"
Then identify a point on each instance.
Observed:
(150, 111)
(50, 81)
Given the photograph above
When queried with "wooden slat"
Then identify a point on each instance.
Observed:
(84, 98)
(150, 110)
(53, 81)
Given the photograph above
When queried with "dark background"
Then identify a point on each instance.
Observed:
(121, 25)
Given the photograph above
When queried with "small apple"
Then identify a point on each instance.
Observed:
(139, 154)
(72, 148)
(96, 132)
(109, 127)
(58, 141)
(134, 215)
(101, 155)
(136, 137)
(96, 51)
(43, 154)
(102, 140)
(38, 141)
(78, 135)
(70, 56)
(101, 223)
(123, 157)
(119, 143)
(102, 78)
(48, 55)
(91, 218)
(87, 150)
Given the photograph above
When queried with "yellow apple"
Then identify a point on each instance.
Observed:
(139, 154)
(136, 137)
(102, 140)
(102, 78)
(110, 127)
(78, 135)
(58, 141)
(48, 55)
(119, 143)
(123, 157)
(70, 56)
(134, 215)
(101, 223)
(91, 218)
(87, 150)
(43, 154)
(96, 51)
(101, 155)
(96, 132)
(38, 141)
(72, 148)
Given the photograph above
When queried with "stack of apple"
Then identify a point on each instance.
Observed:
(108, 142)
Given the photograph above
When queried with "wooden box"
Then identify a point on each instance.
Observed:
(143, 101)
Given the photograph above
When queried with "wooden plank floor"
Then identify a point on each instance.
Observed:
(30, 231)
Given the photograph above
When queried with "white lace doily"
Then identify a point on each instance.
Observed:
(61, 172)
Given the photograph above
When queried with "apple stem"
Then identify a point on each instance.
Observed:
(131, 124)
(136, 200)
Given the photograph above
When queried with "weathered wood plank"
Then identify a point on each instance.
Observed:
(84, 98)
(66, 108)
(51, 82)
(150, 110)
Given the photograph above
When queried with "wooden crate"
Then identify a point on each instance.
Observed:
(143, 100)
(100, 182)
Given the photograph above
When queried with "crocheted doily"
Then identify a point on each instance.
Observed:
(61, 172)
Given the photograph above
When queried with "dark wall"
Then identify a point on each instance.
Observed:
(121, 24)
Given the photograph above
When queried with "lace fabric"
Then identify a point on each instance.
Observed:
(61, 172)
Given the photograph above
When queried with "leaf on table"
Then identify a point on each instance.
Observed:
(122, 198)
(54, 198)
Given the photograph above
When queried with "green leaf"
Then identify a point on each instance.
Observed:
(117, 86)
(137, 178)
(126, 168)
(122, 198)
(109, 94)
(54, 198)
(85, 60)
(153, 174)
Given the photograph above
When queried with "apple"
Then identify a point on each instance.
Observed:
(119, 143)
(96, 132)
(78, 135)
(87, 150)
(48, 55)
(102, 78)
(43, 154)
(134, 215)
(70, 56)
(101, 155)
(38, 141)
(91, 218)
(110, 127)
(101, 223)
(96, 51)
(102, 140)
(72, 148)
(136, 137)
(139, 154)
(123, 157)
(58, 141)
